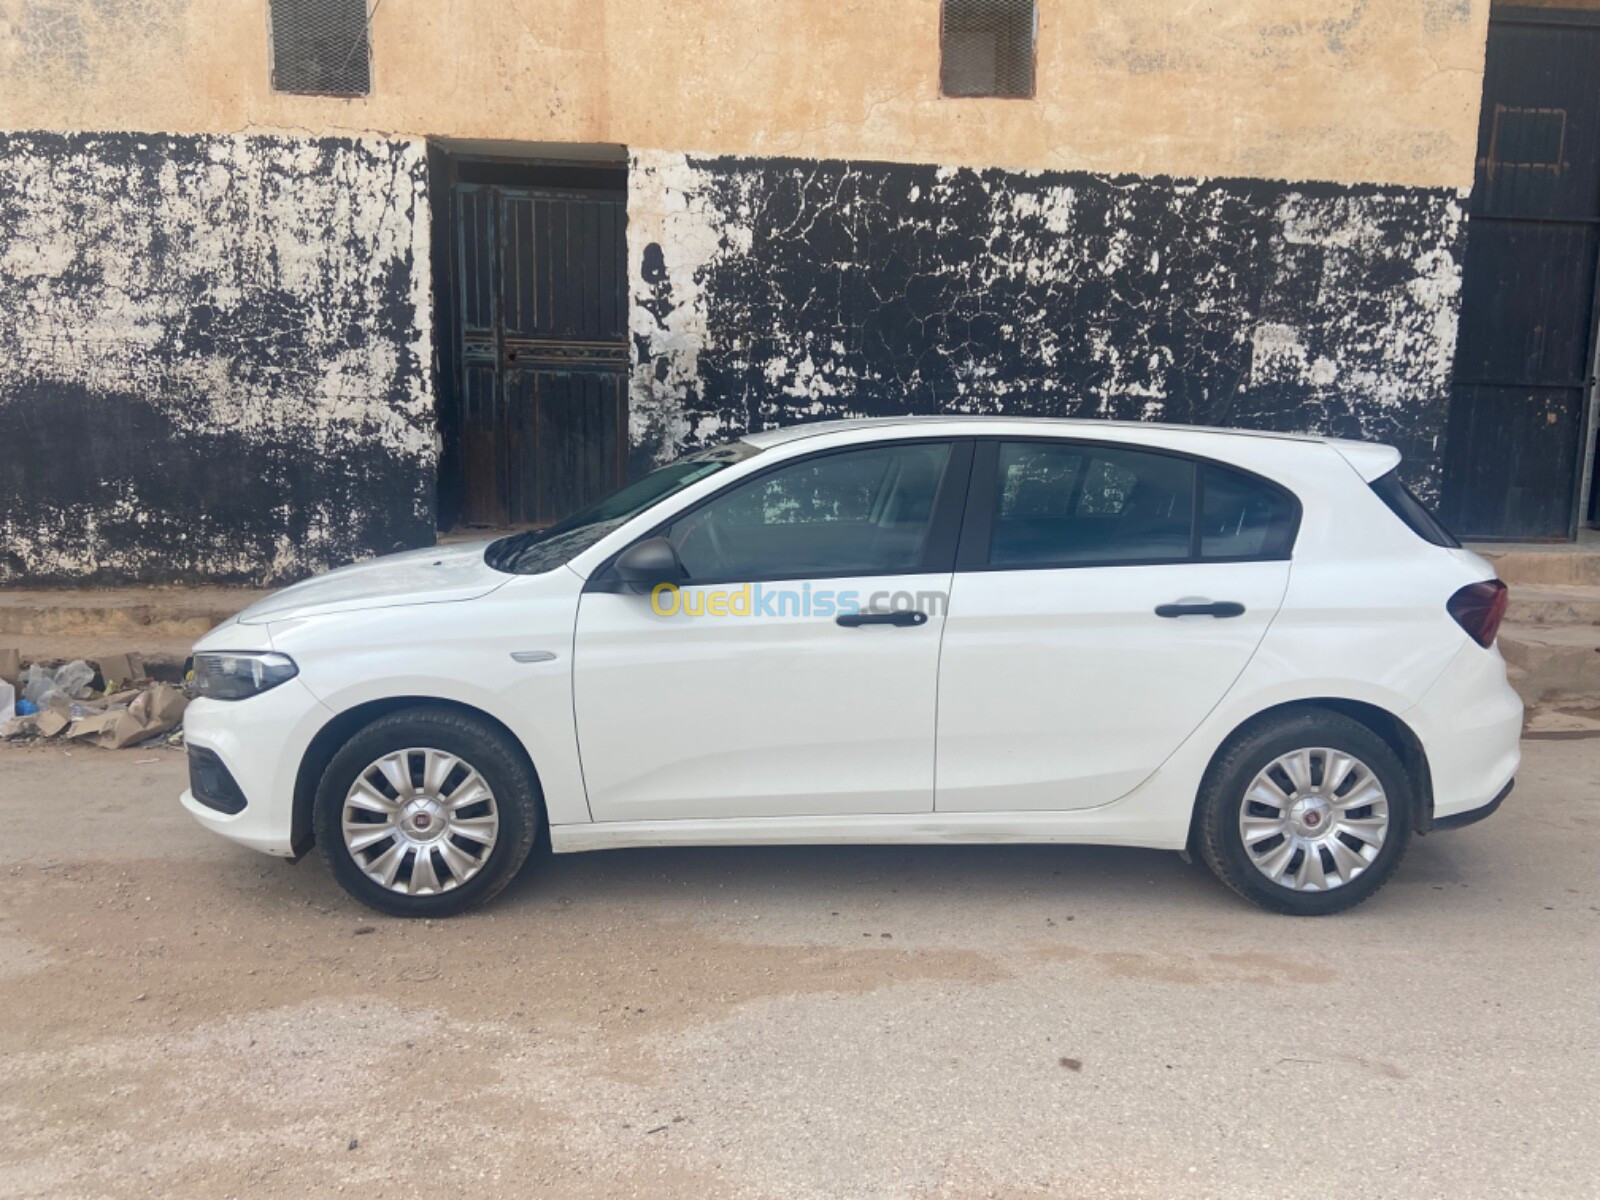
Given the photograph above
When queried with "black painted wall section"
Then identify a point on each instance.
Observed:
(773, 291)
(213, 358)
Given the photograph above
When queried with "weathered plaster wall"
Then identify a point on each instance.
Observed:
(769, 291)
(213, 355)
(1381, 91)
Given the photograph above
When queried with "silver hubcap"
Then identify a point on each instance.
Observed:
(1313, 820)
(420, 822)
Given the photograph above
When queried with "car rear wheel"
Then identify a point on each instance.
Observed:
(1307, 813)
(427, 812)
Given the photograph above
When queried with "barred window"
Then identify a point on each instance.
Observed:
(986, 47)
(319, 47)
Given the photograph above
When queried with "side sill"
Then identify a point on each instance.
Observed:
(1089, 827)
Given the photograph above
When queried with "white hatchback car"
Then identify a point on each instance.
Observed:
(1258, 647)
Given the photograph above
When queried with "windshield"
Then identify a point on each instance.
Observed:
(538, 550)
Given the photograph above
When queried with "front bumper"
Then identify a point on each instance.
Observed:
(261, 742)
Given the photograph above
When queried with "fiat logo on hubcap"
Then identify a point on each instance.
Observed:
(422, 820)
(1313, 819)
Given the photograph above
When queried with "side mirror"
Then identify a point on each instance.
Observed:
(645, 564)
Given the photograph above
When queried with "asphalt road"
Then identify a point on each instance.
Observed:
(182, 1018)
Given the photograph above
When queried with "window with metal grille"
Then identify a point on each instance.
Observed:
(319, 47)
(986, 47)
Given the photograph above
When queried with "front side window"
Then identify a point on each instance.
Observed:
(858, 512)
(1064, 504)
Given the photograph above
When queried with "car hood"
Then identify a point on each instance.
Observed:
(431, 576)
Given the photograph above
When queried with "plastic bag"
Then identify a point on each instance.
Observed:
(44, 686)
(74, 678)
(37, 685)
(8, 701)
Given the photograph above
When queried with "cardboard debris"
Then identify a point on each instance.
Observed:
(20, 727)
(126, 716)
(120, 670)
(94, 724)
(51, 722)
(11, 668)
(155, 712)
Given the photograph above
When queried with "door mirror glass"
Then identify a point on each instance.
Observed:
(646, 564)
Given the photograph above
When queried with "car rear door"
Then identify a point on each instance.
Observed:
(778, 699)
(1105, 598)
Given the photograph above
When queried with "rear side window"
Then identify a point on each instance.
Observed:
(1403, 504)
(1065, 504)
(1244, 517)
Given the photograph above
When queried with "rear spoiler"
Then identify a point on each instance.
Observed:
(1371, 460)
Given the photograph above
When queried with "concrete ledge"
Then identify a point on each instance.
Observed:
(1550, 662)
(157, 613)
(1562, 564)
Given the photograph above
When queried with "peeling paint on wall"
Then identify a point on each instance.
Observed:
(772, 291)
(213, 356)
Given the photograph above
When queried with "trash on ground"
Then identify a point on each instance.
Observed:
(121, 670)
(45, 687)
(51, 722)
(62, 702)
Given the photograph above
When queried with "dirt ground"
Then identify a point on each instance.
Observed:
(182, 1018)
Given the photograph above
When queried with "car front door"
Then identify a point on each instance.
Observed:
(1105, 599)
(762, 687)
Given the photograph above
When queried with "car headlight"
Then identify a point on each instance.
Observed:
(225, 676)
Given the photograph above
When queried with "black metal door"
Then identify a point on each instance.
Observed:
(543, 351)
(1525, 354)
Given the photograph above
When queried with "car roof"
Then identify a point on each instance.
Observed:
(1370, 459)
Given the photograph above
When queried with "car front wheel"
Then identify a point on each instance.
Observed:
(426, 812)
(1306, 813)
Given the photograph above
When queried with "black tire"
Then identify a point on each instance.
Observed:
(1222, 796)
(488, 751)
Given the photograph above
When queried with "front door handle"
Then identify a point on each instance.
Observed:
(1201, 608)
(851, 620)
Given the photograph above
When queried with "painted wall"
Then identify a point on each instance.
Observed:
(214, 348)
(768, 291)
(1370, 91)
(213, 356)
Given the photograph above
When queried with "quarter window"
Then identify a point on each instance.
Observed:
(1065, 504)
(1243, 517)
(859, 512)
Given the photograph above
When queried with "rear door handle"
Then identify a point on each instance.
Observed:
(1202, 608)
(851, 620)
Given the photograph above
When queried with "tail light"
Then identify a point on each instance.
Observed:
(1479, 608)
